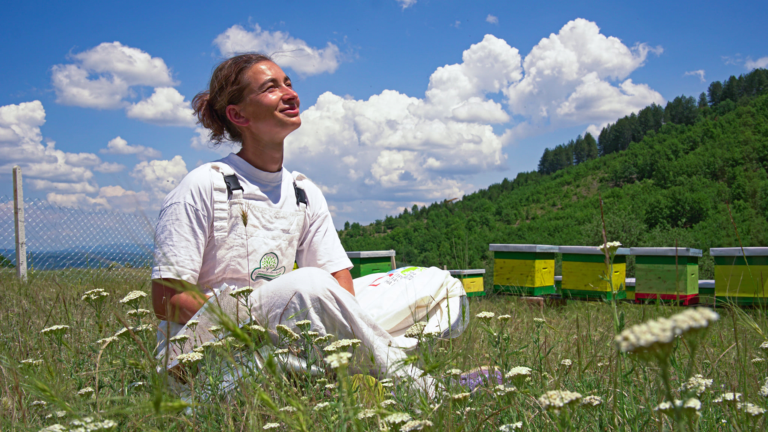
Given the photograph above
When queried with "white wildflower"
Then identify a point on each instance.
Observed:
(283, 330)
(189, 359)
(281, 351)
(504, 317)
(539, 320)
(179, 339)
(415, 425)
(764, 390)
(366, 413)
(567, 363)
(558, 399)
(269, 426)
(85, 392)
(39, 403)
(750, 409)
(611, 246)
(304, 325)
(323, 339)
(214, 329)
(342, 343)
(192, 324)
(454, 372)
(518, 372)
(415, 331)
(321, 406)
(312, 334)
(133, 297)
(255, 327)
(287, 409)
(55, 330)
(397, 418)
(241, 292)
(54, 428)
(94, 295)
(592, 401)
(460, 396)
(138, 312)
(485, 316)
(764, 346)
(758, 360)
(511, 427)
(697, 383)
(502, 390)
(387, 403)
(655, 337)
(338, 360)
(330, 386)
(728, 397)
(32, 362)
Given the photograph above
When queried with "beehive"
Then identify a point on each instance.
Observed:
(741, 277)
(472, 281)
(667, 273)
(368, 262)
(629, 287)
(524, 269)
(584, 273)
(707, 291)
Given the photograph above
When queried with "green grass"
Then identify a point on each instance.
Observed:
(581, 332)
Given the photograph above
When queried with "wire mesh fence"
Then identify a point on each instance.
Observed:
(77, 245)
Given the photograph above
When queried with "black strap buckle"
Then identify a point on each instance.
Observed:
(301, 196)
(233, 184)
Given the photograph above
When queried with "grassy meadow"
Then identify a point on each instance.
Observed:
(65, 377)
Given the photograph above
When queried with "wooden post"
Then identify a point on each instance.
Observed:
(18, 215)
(394, 265)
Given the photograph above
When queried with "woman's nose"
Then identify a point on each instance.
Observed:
(290, 94)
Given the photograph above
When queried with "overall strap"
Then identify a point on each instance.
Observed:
(301, 195)
(225, 186)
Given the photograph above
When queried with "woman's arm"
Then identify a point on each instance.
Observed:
(175, 300)
(345, 280)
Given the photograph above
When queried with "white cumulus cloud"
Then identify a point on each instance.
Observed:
(762, 62)
(108, 198)
(120, 146)
(166, 107)
(286, 50)
(406, 3)
(160, 176)
(567, 72)
(492, 19)
(699, 73)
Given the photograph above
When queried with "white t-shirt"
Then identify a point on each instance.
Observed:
(184, 244)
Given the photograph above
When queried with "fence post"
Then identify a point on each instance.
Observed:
(18, 216)
(392, 260)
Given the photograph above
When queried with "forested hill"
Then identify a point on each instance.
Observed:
(671, 186)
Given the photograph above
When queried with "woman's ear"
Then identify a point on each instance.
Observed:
(235, 116)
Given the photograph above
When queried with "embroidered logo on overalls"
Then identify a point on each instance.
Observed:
(268, 267)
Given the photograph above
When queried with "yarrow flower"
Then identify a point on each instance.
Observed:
(304, 325)
(281, 351)
(764, 389)
(54, 428)
(415, 331)
(94, 295)
(592, 401)
(180, 339)
(138, 312)
(387, 403)
(511, 427)
(485, 316)
(453, 372)
(764, 346)
(502, 390)
(241, 292)
(504, 317)
(728, 397)
(287, 409)
(366, 413)
(460, 397)
(697, 383)
(338, 360)
(55, 330)
(256, 328)
(321, 406)
(31, 362)
(655, 337)
(133, 297)
(192, 324)
(397, 418)
(567, 363)
(557, 399)
(322, 339)
(283, 330)
(757, 360)
(415, 425)
(85, 392)
(518, 372)
(751, 409)
(539, 320)
(269, 426)
(342, 343)
(189, 359)
(612, 247)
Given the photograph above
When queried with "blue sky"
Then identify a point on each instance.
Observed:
(403, 101)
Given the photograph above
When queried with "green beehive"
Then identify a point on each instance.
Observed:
(707, 291)
(524, 269)
(584, 273)
(472, 281)
(741, 277)
(667, 273)
(368, 262)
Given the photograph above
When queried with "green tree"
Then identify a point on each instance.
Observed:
(703, 101)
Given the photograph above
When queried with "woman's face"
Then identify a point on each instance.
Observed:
(270, 108)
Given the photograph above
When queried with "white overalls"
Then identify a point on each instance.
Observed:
(261, 255)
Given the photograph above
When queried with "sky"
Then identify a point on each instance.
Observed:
(403, 101)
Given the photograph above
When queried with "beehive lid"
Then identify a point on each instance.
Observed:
(522, 248)
(558, 278)
(665, 251)
(371, 254)
(707, 283)
(589, 250)
(630, 282)
(466, 272)
(735, 251)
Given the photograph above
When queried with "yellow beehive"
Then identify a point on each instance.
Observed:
(741, 277)
(472, 281)
(524, 269)
(584, 273)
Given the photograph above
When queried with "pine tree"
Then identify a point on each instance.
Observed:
(703, 101)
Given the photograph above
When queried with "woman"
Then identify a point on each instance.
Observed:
(242, 222)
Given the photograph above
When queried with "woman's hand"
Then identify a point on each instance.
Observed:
(175, 300)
